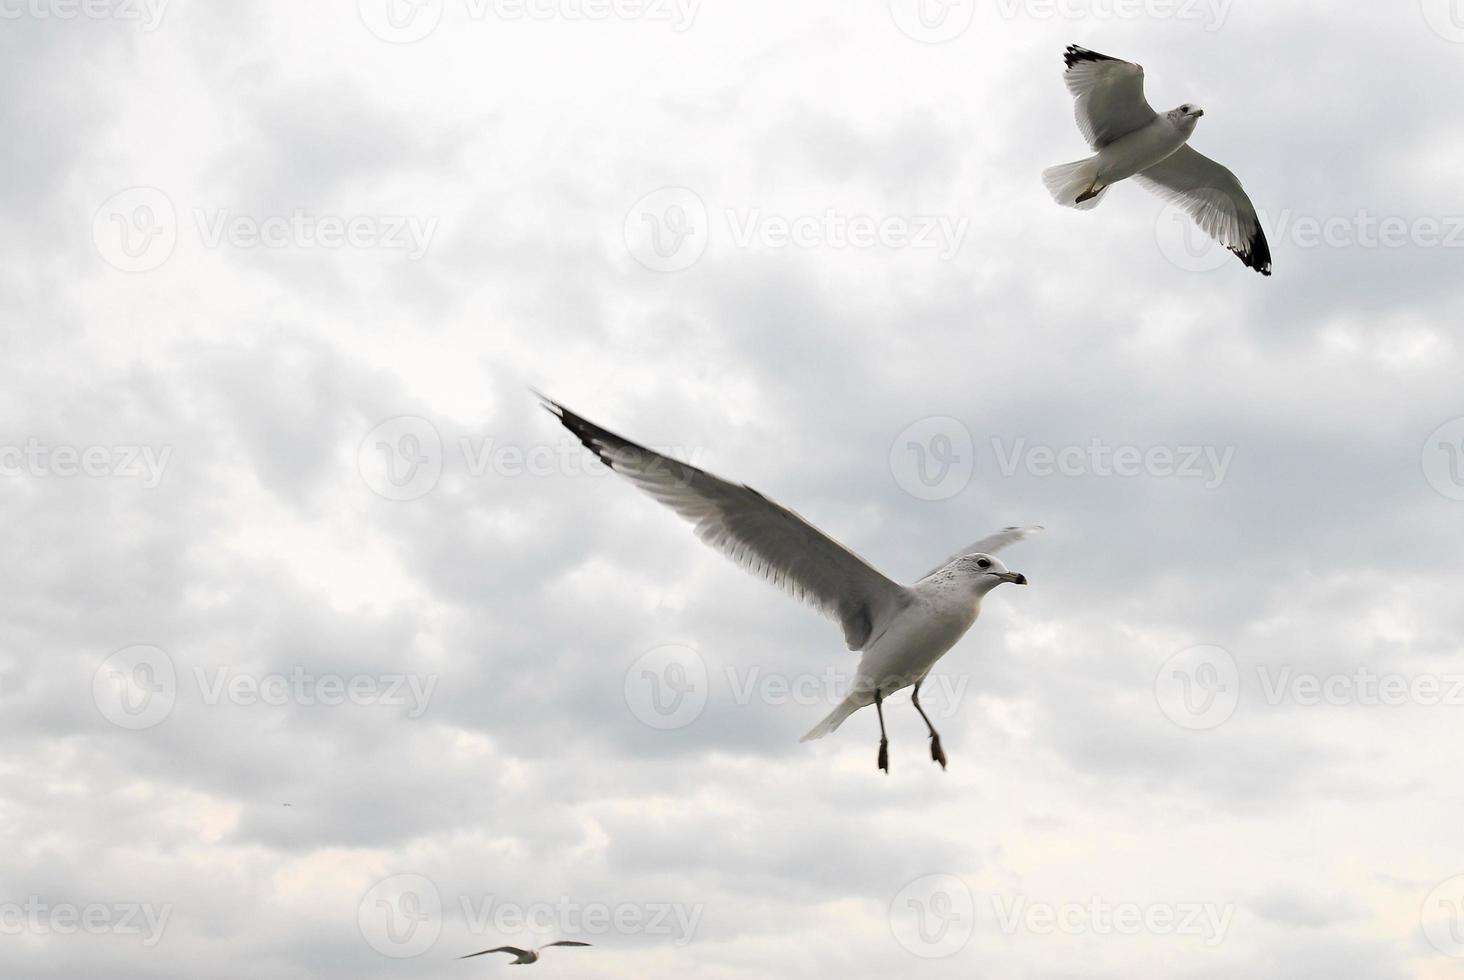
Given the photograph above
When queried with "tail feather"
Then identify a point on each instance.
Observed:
(835, 718)
(1071, 184)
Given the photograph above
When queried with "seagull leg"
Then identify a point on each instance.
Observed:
(884, 743)
(936, 752)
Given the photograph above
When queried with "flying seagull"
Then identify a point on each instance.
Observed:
(1132, 140)
(900, 630)
(521, 956)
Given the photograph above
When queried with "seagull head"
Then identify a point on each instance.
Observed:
(1185, 116)
(985, 573)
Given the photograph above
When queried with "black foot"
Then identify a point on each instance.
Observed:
(884, 755)
(1086, 196)
(936, 752)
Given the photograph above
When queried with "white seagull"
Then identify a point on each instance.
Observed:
(522, 955)
(900, 630)
(1133, 140)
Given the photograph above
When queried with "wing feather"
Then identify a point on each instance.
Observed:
(497, 949)
(1109, 95)
(763, 537)
(1211, 195)
(990, 544)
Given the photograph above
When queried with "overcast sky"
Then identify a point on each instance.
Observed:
(327, 653)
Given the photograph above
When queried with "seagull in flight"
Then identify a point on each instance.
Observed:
(522, 955)
(901, 631)
(1132, 140)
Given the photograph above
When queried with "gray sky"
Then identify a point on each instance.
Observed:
(286, 527)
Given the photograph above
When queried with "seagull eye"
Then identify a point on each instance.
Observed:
(982, 563)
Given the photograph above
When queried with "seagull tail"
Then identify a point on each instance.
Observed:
(836, 718)
(1071, 184)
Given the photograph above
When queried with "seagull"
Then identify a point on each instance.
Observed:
(522, 955)
(1133, 140)
(901, 631)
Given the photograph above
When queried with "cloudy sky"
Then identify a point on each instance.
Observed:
(327, 653)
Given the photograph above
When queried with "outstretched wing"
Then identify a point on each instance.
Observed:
(497, 949)
(566, 942)
(1109, 94)
(990, 544)
(1213, 197)
(766, 539)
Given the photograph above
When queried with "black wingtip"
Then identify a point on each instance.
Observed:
(590, 435)
(550, 405)
(1256, 254)
(1076, 54)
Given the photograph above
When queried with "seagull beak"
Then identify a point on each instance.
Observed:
(1016, 578)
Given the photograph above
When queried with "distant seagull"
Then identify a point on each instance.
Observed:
(1132, 140)
(522, 955)
(902, 631)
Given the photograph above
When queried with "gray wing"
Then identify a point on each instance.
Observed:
(566, 942)
(497, 949)
(990, 544)
(1213, 197)
(766, 539)
(1109, 94)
